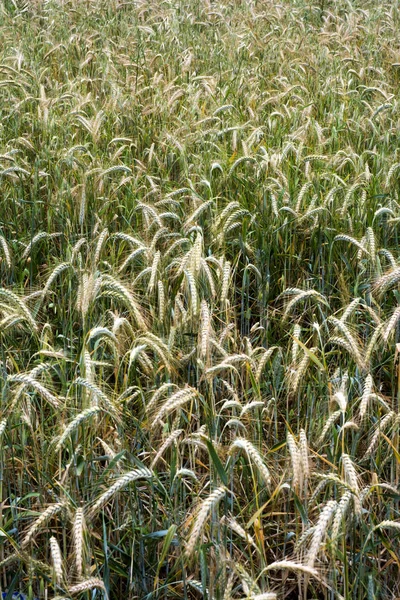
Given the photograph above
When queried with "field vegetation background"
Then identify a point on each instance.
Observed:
(199, 299)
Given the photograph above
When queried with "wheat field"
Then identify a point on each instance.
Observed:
(199, 299)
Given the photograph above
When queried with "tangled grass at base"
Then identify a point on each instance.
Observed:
(199, 303)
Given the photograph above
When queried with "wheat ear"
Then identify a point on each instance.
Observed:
(88, 584)
(118, 485)
(56, 559)
(320, 531)
(295, 458)
(209, 503)
(83, 416)
(175, 401)
(77, 533)
(388, 280)
(40, 389)
(170, 440)
(368, 384)
(292, 566)
(253, 455)
(46, 515)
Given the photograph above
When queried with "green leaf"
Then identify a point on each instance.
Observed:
(167, 542)
(217, 463)
(301, 509)
(310, 354)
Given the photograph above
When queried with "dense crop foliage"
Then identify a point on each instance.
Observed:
(199, 299)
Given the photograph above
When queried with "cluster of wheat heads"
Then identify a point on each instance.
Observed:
(199, 299)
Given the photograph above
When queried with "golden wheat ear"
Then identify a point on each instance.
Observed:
(244, 445)
(390, 279)
(119, 484)
(202, 514)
